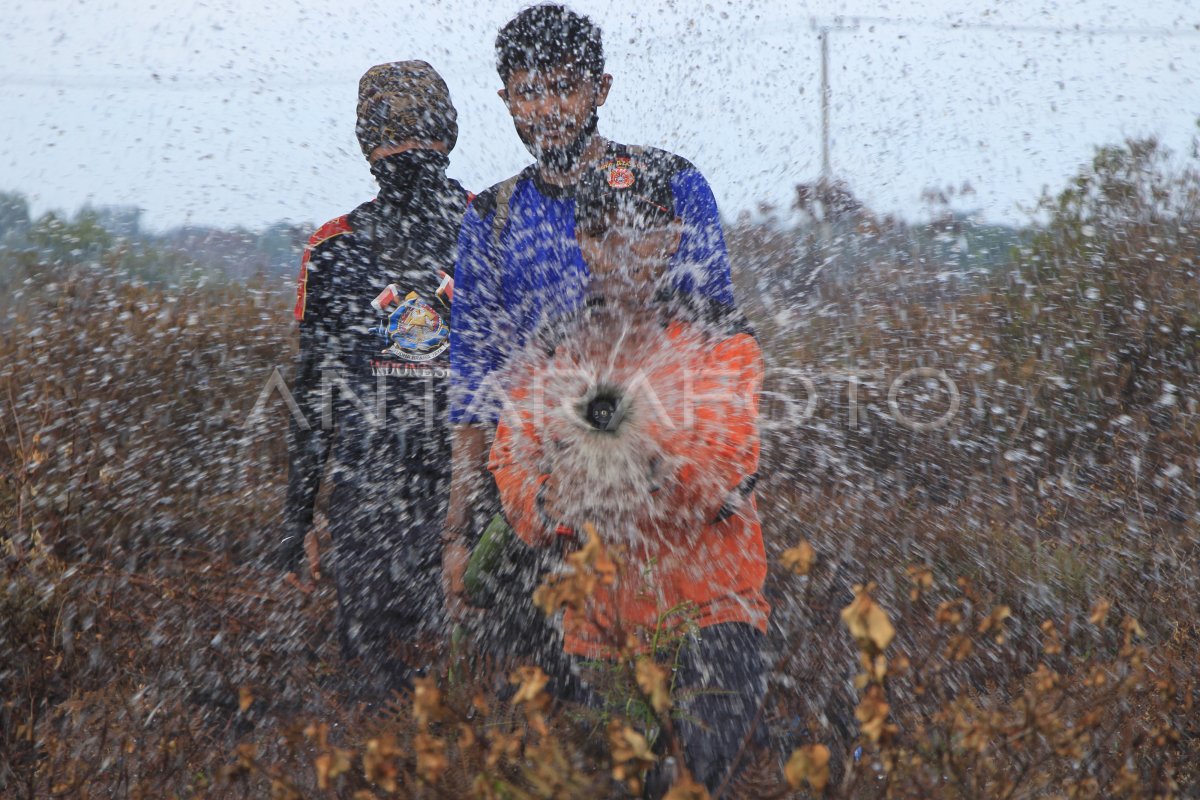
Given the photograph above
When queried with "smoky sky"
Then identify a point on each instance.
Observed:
(241, 113)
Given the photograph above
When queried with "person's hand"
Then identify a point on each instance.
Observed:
(302, 586)
(312, 551)
(458, 514)
(454, 567)
(312, 555)
(468, 475)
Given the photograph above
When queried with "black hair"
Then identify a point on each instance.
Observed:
(546, 36)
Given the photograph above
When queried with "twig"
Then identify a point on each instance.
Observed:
(23, 457)
(742, 749)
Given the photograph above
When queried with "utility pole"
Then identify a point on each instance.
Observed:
(823, 34)
(823, 30)
(828, 253)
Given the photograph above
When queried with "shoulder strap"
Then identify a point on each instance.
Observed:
(504, 193)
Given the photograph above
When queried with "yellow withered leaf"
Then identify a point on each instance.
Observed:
(799, 559)
(631, 755)
(530, 682)
(431, 757)
(1100, 611)
(686, 788)
(652, 679)
(379, 762)
(872, 714)
(1133, 628)
(627, 745)
(330, 765)
(995, 620)
(808, 764)
(868, 623)
(1051, 643)
(427, 700)
(922, 580)
(466, 736)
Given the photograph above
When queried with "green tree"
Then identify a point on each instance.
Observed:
(14, 215)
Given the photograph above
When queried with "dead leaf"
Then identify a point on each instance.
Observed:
(686, 788)
(653, 680)
(427, 701)
(808, 764)
(631, 755)
(432, 762)
(799, 559)
(922, 579)
(868, 623)
(872, 714)
(531, 682)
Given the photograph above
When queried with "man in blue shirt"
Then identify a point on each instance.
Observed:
(518, 258)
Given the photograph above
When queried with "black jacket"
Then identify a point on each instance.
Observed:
(373, 306)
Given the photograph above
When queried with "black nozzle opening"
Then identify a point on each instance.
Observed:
(601, 412)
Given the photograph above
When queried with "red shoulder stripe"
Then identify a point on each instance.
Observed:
(335, 227)
(302, 286)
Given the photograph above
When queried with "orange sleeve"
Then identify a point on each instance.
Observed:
(517, 483)
(720, 447)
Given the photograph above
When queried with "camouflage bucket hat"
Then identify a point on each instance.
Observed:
(402, 101)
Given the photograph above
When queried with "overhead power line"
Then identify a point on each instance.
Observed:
(840, 23)
(964, 25)
(776, 26)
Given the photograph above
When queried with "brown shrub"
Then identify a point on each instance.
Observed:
(144, 655)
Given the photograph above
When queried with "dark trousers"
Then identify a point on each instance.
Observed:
(387, 562)
(719, 686)
(513, 628)
(510, 628)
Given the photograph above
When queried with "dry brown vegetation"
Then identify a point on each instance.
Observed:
(1005, 606)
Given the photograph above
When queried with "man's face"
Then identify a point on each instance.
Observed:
(553, 108)
(627, 261)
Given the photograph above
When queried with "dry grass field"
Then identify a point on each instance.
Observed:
(998, 602)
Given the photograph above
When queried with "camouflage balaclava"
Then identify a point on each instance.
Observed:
(404, 101)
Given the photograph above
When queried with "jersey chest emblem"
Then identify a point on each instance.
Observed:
(413, 330)
(620, 173)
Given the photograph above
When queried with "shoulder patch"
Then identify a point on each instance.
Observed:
(335, 227)
(302, 286)
(659, 162)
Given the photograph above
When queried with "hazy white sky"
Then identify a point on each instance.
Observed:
(241, 111)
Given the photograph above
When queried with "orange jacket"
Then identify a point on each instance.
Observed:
(708, 555)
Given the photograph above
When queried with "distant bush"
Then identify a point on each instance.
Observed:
(124, 410)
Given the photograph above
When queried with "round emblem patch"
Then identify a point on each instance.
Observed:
(620, 177)
(416, 331)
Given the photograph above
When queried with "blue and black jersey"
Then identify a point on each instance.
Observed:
(519, 263)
